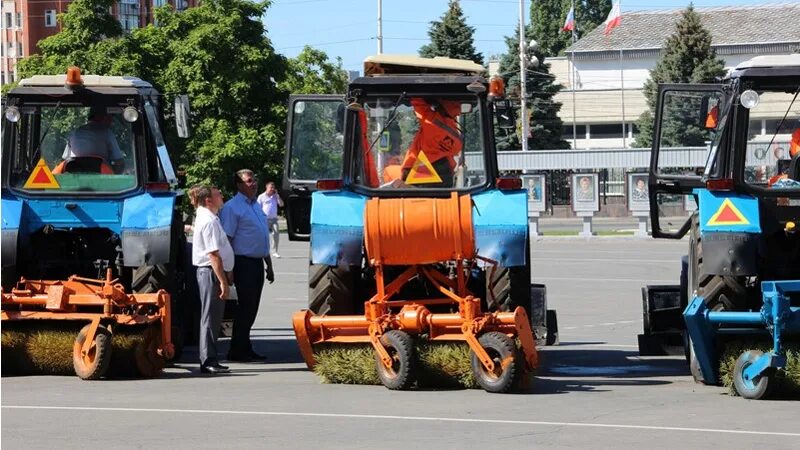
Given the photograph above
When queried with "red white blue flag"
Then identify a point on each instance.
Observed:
(569, 24)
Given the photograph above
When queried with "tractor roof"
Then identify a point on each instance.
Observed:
(410, 65)
(88, 81)
(769, 66)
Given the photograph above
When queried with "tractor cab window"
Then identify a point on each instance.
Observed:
(773, 138)
(419, 142)
(67, 148)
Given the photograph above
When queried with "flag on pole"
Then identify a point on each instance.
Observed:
(613, 20)
(569, 24)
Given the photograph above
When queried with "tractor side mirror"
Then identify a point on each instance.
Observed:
(182, 112)
(504, 114)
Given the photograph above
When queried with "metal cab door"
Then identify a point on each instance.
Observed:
(686, 133)
(314, 151)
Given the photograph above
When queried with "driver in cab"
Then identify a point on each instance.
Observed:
(92, 147)
(438, 138)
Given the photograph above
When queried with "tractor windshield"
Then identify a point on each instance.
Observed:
(773, 137)
(423, 142)
(65, 147)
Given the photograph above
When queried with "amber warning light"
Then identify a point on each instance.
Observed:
(497, 88)
(73, 78)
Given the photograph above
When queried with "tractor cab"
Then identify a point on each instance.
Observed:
(740, 138)
(87, 182)
(410, 127)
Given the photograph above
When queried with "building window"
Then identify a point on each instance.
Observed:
(50, 18)
(20, 54)
(606, 131)
(19, 20)
(580, 132)
(8, 22)
(11, 52)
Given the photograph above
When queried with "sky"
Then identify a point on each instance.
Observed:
(347, 28)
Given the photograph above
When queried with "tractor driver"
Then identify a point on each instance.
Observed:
(438, 137)
(792, 169)
(94, 140)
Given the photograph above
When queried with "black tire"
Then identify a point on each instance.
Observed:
(171, 277)
(720, 292)
(95, 364)
(754, 389)
(400, 346)
(149, 363)
(552, 328)
(500, 348)
(331, 289)
(509, 287)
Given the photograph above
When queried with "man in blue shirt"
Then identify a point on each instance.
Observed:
(246, 226)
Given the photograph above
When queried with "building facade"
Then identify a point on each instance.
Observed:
(603, 75)
(26, 22)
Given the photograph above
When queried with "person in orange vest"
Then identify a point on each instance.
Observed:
(393, 166)
(438, 137)
(794, 155)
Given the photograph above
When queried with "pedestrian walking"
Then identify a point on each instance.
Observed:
(213, 256)
(246, 226)
(270, 200)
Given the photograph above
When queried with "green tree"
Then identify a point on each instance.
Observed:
(545, 125)
(452, 37)
(91, 38)
(687, 58)
(548, 16)
(311, 72)
(217, 53)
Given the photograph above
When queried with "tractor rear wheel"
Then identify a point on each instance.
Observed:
(94, 364)
(331, 289)
(719, 292)
(509, 287)
(507, 362)
(400, 347)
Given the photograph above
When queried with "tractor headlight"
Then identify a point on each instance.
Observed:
(749, 99)
(12, 114)
(130, 114)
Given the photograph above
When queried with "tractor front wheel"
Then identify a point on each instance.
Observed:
(400, 347)
(755, 388)
(94, 364)
(508, 365)
(148, 362)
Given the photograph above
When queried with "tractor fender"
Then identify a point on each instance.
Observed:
(500, 219)
(12, 218)
(337, 228)
(145, 229)
(730, 226)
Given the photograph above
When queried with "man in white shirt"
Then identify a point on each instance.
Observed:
(213, 256)
(270, 200)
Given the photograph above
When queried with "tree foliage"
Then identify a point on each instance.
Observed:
(548, 16)
(219, 54)
(687, 58)
(452, 37)
(311, 72)
(541, 88)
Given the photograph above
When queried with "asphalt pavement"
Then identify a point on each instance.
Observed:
(592, 391)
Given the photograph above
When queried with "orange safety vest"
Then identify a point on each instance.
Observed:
(794, 146)
(438, 136)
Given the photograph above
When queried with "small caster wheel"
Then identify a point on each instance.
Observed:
(751, 388)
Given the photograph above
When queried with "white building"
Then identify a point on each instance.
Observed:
(610, 70)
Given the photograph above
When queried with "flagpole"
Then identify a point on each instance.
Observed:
(622, 95)
(572, 72)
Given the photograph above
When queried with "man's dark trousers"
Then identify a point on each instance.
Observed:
(248, 276)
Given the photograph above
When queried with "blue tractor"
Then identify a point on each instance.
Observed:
(740, 277)
(69, 210)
